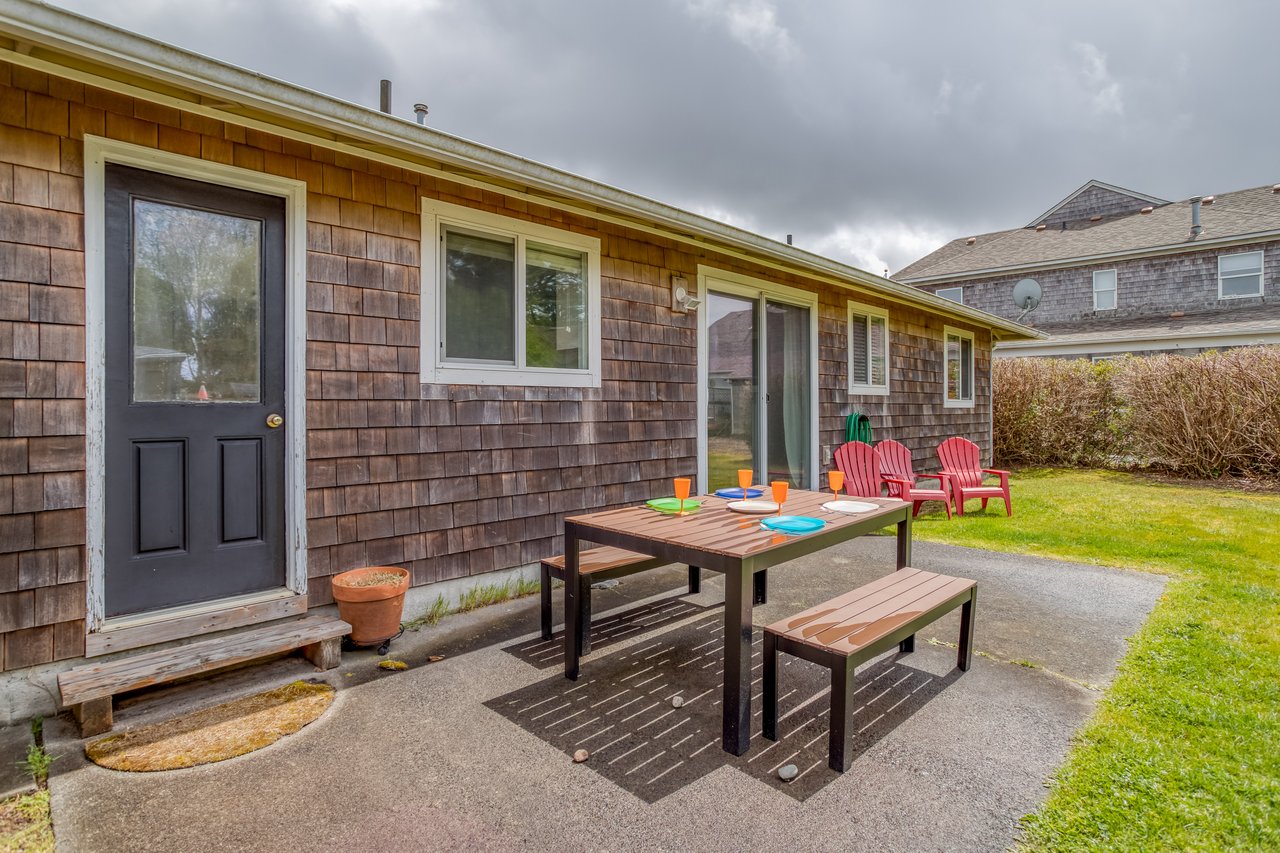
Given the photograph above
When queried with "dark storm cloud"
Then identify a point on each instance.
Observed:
(872, 131)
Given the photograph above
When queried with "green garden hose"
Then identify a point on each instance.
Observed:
(857, 427)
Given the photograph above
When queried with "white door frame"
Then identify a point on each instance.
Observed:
(737, 284)
(97, 153)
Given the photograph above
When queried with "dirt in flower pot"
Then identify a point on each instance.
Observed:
(372, 579)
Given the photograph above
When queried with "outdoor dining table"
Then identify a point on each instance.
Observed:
(735, 545)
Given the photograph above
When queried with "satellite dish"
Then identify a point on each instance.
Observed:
(1026, 295)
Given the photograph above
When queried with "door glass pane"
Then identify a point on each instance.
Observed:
(731, 389)
(787, 393)
(479, 298)
(197, 289)
(555, 307)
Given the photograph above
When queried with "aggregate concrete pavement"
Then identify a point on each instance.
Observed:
(475, 751)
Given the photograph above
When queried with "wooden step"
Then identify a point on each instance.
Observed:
(318, 635)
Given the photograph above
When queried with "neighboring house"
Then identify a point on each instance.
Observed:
(1122, 272)
(462, 347)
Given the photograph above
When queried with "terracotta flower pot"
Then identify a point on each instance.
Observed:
(373, 611)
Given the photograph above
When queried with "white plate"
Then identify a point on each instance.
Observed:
(849, 506)
(753, 507)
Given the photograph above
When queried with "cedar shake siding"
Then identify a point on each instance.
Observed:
(447, 480)
(1187, 281)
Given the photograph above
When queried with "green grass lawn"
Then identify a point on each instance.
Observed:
(1183, 751)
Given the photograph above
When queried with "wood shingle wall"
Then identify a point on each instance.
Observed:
(449, 481)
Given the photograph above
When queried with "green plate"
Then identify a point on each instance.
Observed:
(672, 505)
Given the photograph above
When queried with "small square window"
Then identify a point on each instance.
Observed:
(1104, 290)
(957, 368)
(955, 294)
(868, 349)
(1240, 275)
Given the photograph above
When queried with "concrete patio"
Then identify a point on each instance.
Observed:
(475, 751)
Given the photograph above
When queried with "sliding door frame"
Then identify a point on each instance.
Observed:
(759, 290)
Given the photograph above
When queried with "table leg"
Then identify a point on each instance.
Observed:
(572, 608)
(904, 559)
(904, 540)
(737, 661)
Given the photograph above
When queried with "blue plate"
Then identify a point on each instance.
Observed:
(735, 494)
(794, 524)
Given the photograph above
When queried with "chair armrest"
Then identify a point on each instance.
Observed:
(906, 484)
(941, 476)
(1003, 475)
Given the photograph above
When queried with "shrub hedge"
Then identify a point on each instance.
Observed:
(1201, 416)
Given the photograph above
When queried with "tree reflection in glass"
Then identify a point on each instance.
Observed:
(196, 305)
(555, 307)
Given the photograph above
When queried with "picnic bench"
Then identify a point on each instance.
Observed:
(88, 689)
(596, 565)
(851, 629)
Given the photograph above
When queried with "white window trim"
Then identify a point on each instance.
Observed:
(1114, 289)
(958, 288)
(435, 215)
(1262, 284)
(868, 387)
(947, 402)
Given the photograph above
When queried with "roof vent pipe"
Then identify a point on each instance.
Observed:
(384, 96)
(420, 110)
(788, 239)
(1196, 229)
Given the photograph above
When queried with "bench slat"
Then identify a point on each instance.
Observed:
(600, 559)
(101, 680)
(859, 618)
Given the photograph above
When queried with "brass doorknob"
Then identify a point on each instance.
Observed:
(274, 421)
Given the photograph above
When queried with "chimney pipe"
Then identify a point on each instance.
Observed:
(420, 111)
(384, 96)
(788, 239)
(1196, 229)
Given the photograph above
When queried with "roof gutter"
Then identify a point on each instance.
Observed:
(1086, 260)
(54, 28)
(1159, 341)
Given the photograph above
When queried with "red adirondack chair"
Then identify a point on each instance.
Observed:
(962, 464)
(895, 464)
(861, 468)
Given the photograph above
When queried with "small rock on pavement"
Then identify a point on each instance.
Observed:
(677, 701)
(609, 584)
(581, 756)
(787, 772)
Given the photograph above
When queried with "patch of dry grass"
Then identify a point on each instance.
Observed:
(214, 734)
(25, 825)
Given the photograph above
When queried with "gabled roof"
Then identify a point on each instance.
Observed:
(61, 42)
(1139, 198)
(1233, 218)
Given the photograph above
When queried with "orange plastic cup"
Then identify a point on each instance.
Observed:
(745, 476)
(835, 479)
(682, 485)
(779, 488)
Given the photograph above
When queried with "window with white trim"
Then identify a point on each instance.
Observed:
(955, 294)
(507, 301)
(957, 368)
(1104, 290)
(868, 349)
(1239, 275)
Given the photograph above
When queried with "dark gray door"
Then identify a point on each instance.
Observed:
(195, 372)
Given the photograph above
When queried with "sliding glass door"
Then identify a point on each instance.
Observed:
(757, 383)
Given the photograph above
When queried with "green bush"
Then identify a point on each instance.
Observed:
(1208, 415)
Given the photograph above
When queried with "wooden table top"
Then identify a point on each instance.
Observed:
(717, 530)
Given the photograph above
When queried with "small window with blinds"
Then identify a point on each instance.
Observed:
(516, 303)
(957, 368)
(868, 349)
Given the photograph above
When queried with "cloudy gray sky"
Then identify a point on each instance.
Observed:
(872, 131)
